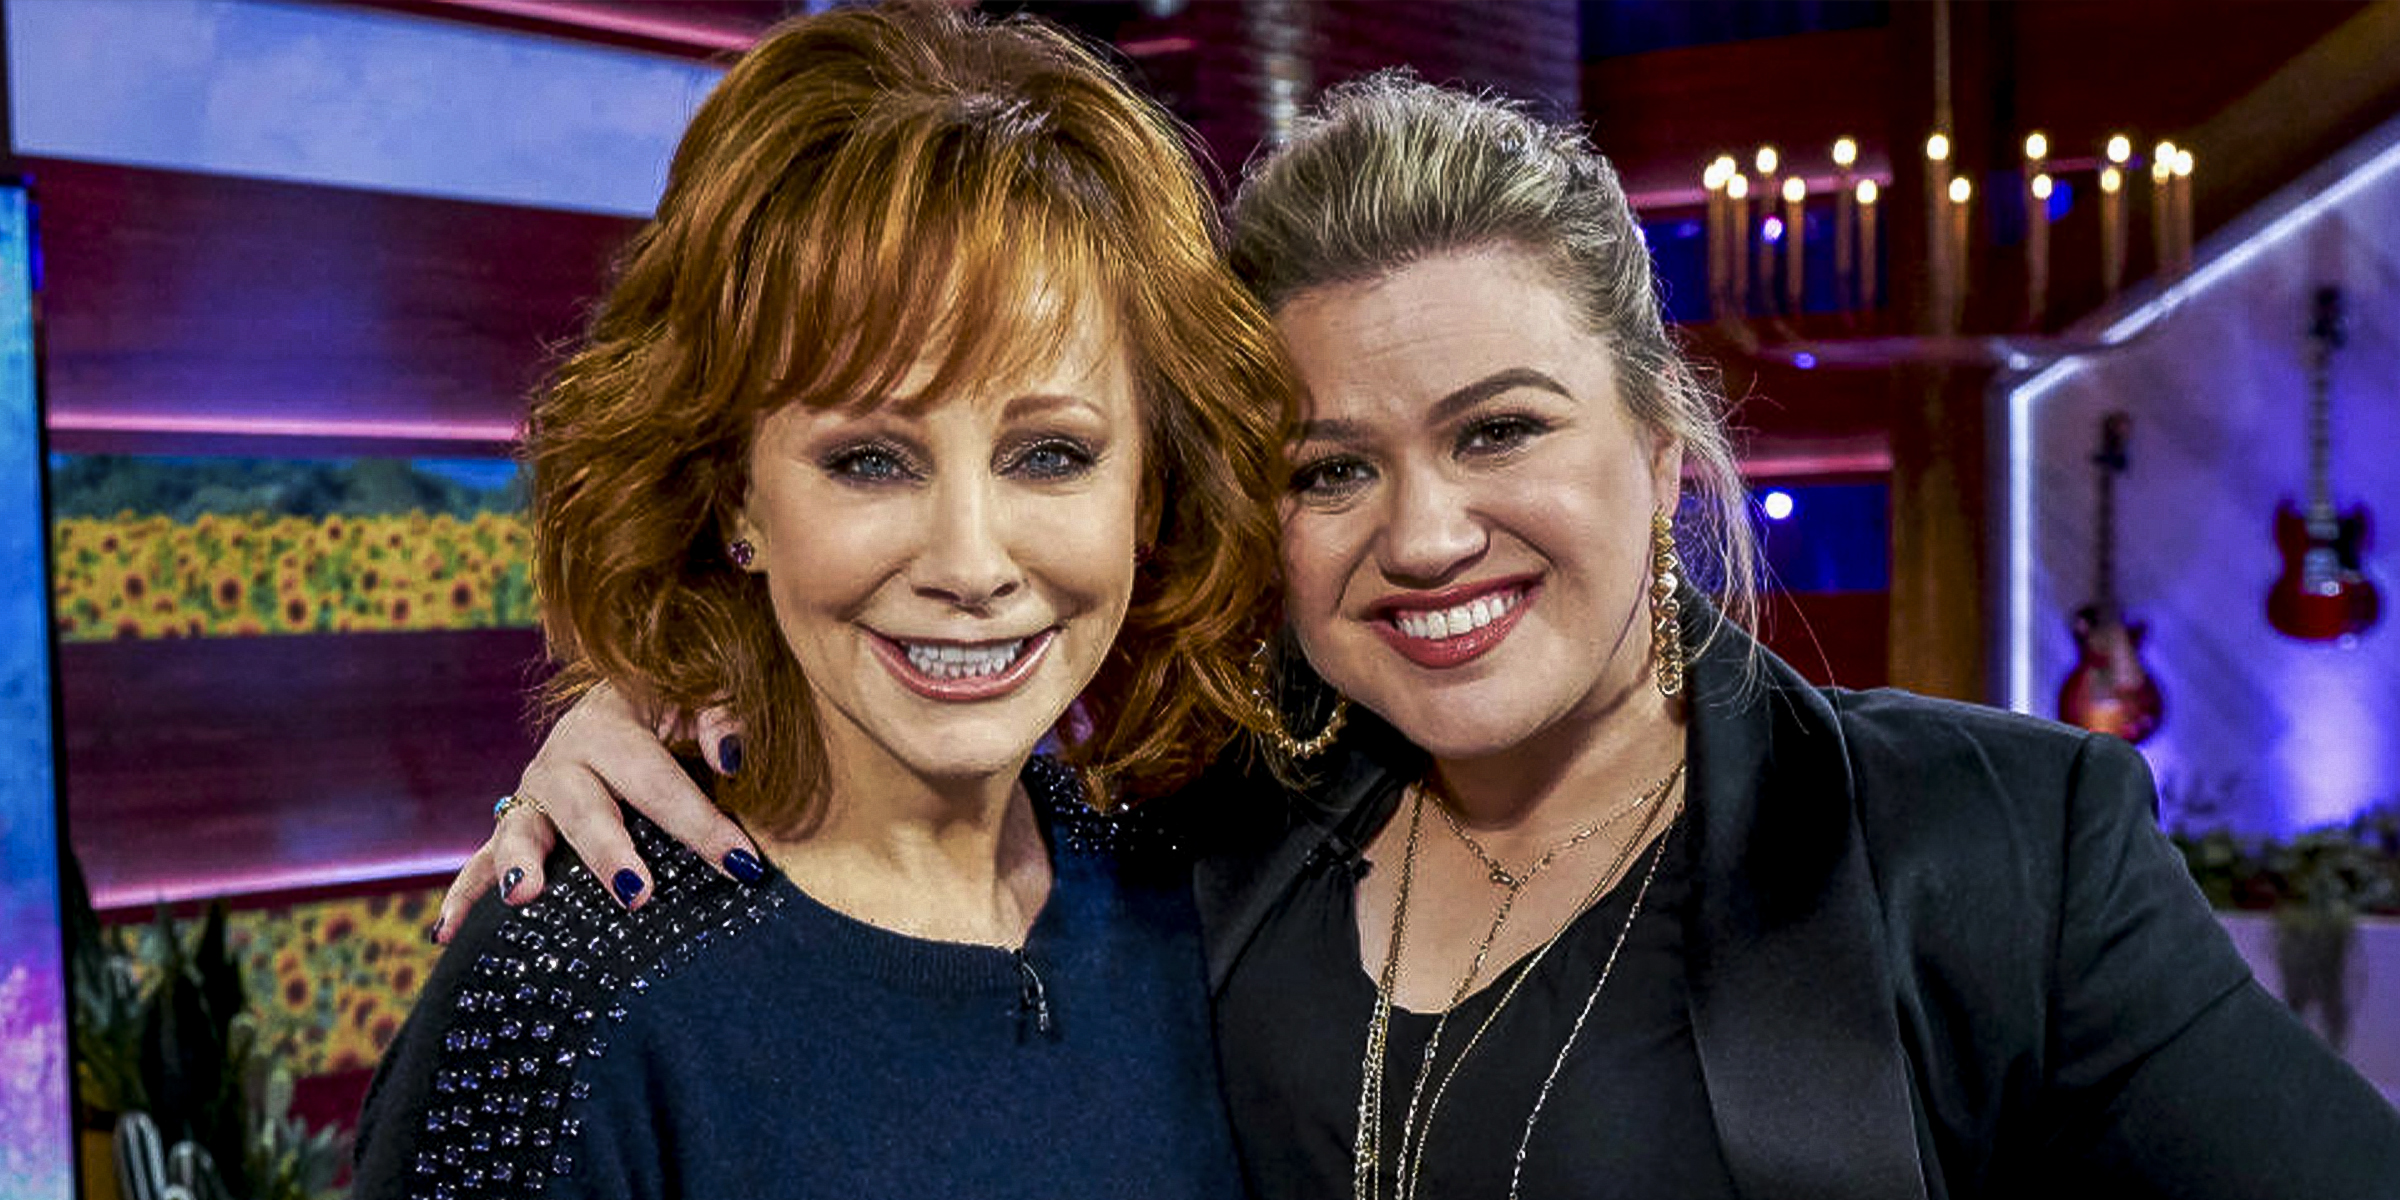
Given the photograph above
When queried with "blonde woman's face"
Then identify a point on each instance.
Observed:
(1466, 539)
(951, 575)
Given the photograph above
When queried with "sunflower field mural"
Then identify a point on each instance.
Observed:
(187, 547)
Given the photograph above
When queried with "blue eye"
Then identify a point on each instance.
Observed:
(869, 464)
(1054, 459)
(1332, 478)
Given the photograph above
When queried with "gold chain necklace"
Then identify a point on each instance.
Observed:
(1516, 881)
(1367, 1145)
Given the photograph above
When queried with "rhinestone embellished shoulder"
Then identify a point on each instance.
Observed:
(542, 997)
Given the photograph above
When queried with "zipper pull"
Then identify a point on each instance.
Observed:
(1032, 997)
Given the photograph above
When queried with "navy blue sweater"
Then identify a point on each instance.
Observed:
(747, 1041)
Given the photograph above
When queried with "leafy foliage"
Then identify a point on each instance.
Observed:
(162, 1027)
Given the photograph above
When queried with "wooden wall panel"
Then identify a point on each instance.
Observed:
(173, 299)
(224, 765)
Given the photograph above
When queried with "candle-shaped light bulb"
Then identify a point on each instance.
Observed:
(2181, 206)
(1867, 264)
(1845, 153)
(1937, 148)
(1767, 161)
(2120, 149)
(2037, 147)
(1795, 195)
(2112, 224)
(1738, 187)
(2037, 252)
(2162, 204)
(1953, 285)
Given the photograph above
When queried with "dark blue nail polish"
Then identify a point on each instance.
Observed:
(628, 883)
(433, 932)
(729, 753)
(743, 865)
(509, 882)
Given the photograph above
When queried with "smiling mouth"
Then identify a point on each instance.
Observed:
(1456, 633)
(963, 670)
(1458, 620)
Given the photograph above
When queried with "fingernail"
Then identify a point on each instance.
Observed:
(729, 753)
(628, 883)
(509, 882)
(433, 932)
(744, 865)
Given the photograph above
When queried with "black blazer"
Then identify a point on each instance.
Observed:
(1938, 951)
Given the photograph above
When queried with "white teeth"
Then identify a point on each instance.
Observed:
(1458, 620)
(949, 661)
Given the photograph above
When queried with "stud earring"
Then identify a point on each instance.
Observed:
(1666, 622)
(741, 552)
(1269, 714)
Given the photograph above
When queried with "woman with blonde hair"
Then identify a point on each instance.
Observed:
(1599, 898)
(922, 412)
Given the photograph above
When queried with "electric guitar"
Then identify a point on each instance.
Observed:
(2323, 594)
(2110, 691)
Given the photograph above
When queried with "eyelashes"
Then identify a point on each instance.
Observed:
(1332, 478)
(1040, 458)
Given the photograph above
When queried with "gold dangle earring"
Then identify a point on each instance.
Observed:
(1666, 623)
(1269, 713)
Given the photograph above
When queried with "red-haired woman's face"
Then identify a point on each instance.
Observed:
(951, 575)
(1466, 541)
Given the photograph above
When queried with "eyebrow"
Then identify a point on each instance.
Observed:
(1036, 403)
(1448, 407)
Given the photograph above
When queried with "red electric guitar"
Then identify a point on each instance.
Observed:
(2110, 691)
(2324, 594)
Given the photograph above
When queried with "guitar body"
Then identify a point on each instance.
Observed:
(2323, 594)
(2110, 691)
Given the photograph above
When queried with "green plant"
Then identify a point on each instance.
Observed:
(2333, 872)
(2317, 884)
(162, 1027)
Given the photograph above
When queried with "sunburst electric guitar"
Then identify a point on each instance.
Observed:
(2110, 691)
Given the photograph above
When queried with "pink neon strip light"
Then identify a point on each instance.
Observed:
(592, 16)
(317, 427)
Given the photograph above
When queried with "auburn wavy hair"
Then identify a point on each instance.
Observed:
(862, 188)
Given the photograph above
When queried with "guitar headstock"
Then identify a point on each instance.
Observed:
(2329, 325)
(2115, 429)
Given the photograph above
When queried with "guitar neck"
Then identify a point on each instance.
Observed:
(2104, 574)
(2320, 437)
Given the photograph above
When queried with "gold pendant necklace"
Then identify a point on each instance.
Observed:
(1367, 1145)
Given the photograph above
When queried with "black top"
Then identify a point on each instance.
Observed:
(1930, 951)
(1628, 1115)
(733, 1041)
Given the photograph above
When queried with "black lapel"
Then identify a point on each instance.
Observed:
(1239, 877)
(1792, 1000)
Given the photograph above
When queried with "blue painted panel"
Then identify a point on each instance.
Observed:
(36, 1130)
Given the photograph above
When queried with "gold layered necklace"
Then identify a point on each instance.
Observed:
(1408, 1164)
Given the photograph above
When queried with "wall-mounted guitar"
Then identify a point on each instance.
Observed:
(2110, 691)
(2324, 594)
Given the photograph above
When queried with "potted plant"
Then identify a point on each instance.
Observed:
(2316, 885)
(162, 1028)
